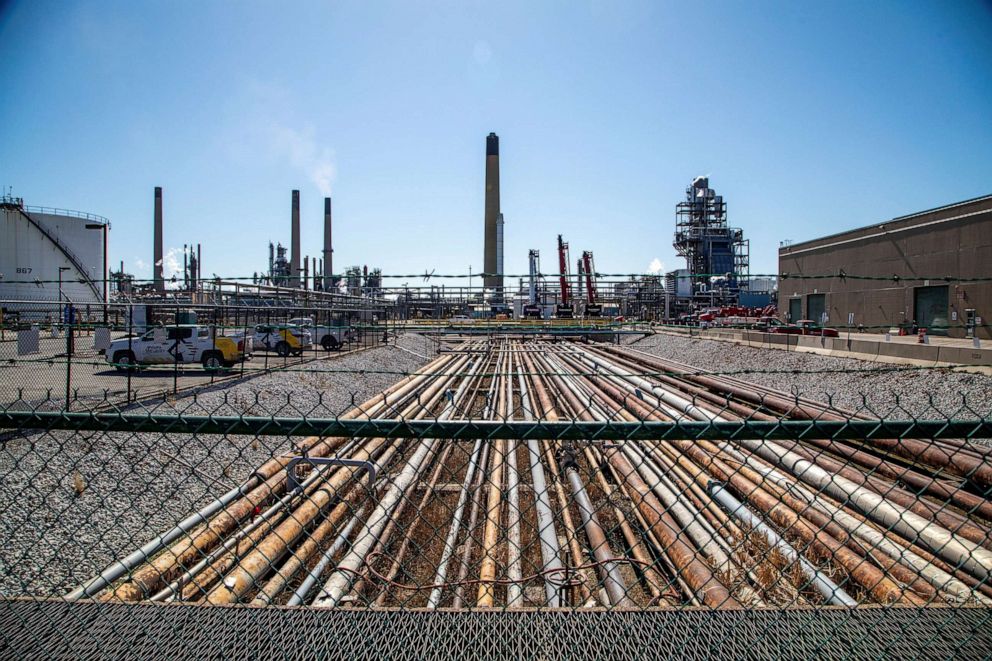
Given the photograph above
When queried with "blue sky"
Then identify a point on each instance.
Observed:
(810, 118)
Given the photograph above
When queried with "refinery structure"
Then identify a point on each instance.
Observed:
(567, 287)
(57, 255)
(716, 255)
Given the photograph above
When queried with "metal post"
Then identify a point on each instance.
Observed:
(68, 341)
(130, 344)
(68, 361)
(218, 320)
(175, 352)
(244, 355)
(268, 322)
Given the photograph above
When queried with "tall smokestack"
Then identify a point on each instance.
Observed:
(158, 262)
(294, 248)
(327, 267)
(499, 250)
(490, 261)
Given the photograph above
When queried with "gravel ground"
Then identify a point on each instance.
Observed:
(418, 343)
(135, 486)
(874, 389)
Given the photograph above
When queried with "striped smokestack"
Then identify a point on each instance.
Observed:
(158, 261)
(328, 268)
(490, 261)
(294, 248)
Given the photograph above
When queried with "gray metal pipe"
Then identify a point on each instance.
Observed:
(307, 585)
(434, 600)
(341, 581)
(953, 548)
(550, 550)
(146, 552)
(449, 543)
(615, 586)
(833, 593)
(514, 591)
(274, 512)
(118, 569)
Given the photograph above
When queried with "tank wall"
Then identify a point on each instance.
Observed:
(27, 254)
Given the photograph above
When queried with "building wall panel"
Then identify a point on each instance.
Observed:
(953, 241)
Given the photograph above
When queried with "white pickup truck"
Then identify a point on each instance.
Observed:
(179, 344)
(329, 337)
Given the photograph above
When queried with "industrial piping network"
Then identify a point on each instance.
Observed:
(535, 523)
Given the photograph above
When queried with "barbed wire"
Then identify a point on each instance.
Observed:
(427, 276)
(593, 324)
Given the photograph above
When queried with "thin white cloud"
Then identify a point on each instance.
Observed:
(266, 121)
(300, 148)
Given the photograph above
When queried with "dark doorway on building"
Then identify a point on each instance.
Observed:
(930, 309)
(795, 310)
(816, 304)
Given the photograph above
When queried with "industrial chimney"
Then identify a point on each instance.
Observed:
(327, 267)
(499, 251)
(158, 261)
(294, 257)
(490, 257)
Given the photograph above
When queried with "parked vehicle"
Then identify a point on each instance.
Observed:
(790, 329)
(185, 343)
(805, 327)
(810, 327)
(768, 324)
(284, 339)
(329, 337)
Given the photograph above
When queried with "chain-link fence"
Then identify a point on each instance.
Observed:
(70, 356)
(558, 499)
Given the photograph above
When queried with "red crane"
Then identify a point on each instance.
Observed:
(590, 280)
(563, 271)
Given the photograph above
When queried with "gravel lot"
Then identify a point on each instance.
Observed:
(135, 486)
(923, 393)
(417, 343)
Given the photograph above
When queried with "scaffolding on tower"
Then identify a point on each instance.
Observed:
(717, 256)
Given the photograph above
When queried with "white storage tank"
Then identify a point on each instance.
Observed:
(38, 241)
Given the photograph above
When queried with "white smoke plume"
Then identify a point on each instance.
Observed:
(172, 267)
(656, 266)
(270, 118)
(300, 147)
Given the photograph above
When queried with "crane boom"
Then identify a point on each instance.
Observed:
(578, 278)
(563, 272)
(590, 280)
(534, 259)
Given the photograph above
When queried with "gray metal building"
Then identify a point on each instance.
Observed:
(920, 265)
